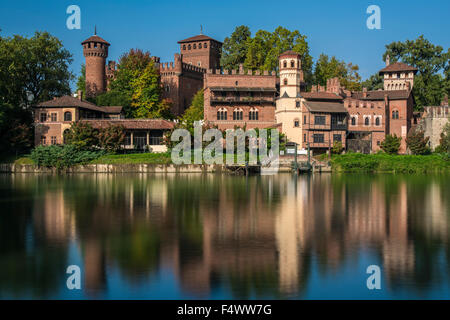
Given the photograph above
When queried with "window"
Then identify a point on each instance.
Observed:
(253, 114)
(205, 46)
(304, 119)
(292, 64)
(67, 116)
(184, 47)
(297, 104)
(319, 120)
(238, 114)
(378, 143)
(377, 121)
(195, 46)
(296, 123)
(53, 140)
(337, 137)
(353, 121)
(43, 117)
(199, 45)
(95, 44)
(222, 114)
(395, 114)
(189, 47)
(366, 121)
(284, 64)
(304, 137)
(53, 117)
(43, 140)
(285, 82)
(318, 138)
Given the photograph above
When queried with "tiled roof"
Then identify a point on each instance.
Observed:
(327, 107)
(95, 38)
(290, 53)
(379, 95)
(69, 101)
(320, 96)
(134, 123)
(200, 37)
(398, 66)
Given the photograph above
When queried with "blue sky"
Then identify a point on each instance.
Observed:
(332, 27)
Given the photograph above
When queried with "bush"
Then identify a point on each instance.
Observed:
(417, 143)
(391, 144)
(81, 135)
(63, 156)
(337, 147)
(111, 138)
(444, 146)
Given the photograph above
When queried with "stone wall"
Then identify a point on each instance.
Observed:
(432, 123)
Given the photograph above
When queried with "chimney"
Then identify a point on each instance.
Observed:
(364, 92)
(80, 95)
(388, 60)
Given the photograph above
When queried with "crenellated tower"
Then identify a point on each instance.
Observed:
(95, 50)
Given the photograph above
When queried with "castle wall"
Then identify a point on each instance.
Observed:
(432, 123)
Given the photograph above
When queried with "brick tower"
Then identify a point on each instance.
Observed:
(95, 50)
(201, 51)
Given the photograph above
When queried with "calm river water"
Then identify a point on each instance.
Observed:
(219, 237)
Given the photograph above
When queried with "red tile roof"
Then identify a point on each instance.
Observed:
(320, 96)
(200, 37)
(69, 101)
(290, 53)
(396, 67)
(134, 123)
(95, 38)
(326, 107)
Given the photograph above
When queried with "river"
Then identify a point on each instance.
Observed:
(210, 236)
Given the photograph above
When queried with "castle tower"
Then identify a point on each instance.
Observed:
(397, 76)
(201, 51)
(95, 50)
(291, 74)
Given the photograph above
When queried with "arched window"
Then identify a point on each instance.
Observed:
(238, 114)
(292, 64)
(377, 121)
(222, 114)
(253, 114)
(184, 47)
(199, 45)
(366, 121)
(195, 46)
(395, 114)
(285, 82)
(284, 64)
(353, 121)
(189, 47)
(205, 45)
(67, 116)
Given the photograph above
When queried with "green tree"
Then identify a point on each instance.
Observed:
(137, 87)
(337, 147)
(111, 138)
(234, 48)
(417, 143)
(265, 47)
(193, 113)
(391, 144)
(375, 82)
(81, 80)
(445, 139)
(327, 68)
(82, 135)
(430, 60)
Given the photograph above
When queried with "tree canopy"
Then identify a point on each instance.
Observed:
(137, 87)
(327, 68)
(433, 63)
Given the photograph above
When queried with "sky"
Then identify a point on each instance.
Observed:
(336, 28)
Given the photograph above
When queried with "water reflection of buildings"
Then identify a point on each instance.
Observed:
(256, 236)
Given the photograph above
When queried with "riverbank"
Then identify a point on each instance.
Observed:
(384, 163)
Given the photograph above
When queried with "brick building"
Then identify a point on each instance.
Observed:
(360, 120)
(239, 99)
(52, 118)
(180, 79)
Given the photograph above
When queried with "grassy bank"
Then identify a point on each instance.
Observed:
(134, 158)
(384, 163)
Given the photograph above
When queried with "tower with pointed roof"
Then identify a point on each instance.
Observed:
(95, 51)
